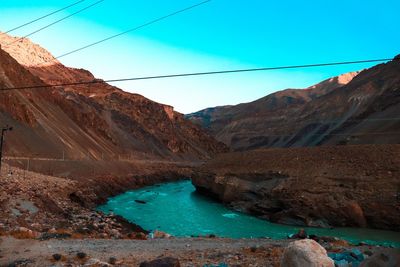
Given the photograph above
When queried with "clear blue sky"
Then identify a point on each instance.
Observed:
(219, 35)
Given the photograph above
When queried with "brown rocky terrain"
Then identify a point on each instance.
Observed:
(354, 108)
(325, 186)
(75, 146)
(94, 121)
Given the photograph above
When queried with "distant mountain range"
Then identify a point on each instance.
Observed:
(353, 108)
(96, 120)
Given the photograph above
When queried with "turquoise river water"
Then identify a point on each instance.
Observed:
(176, 208)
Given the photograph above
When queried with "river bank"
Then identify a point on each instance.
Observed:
(156, 208)
(33, 204)
(337, 186)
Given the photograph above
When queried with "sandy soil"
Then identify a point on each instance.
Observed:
(190, 252)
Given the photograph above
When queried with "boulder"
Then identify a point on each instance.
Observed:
(160, 234)
(383, 259)
(306, 253)
(162, 262)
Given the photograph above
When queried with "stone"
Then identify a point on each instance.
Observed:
(306, 253)
(81, 255)
(380, 259)
(162, 262)
(23, 229)
(112, 260)
(352, 258)
(57, 257)
(115, 233)
(96, 262)
(160, 234)
(301, 234)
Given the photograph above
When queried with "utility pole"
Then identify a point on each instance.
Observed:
(3, 130)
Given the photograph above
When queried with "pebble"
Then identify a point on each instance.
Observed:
(81, 255)
(112, 260)
(57, 256)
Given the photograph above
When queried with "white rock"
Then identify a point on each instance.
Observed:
(306, 253)
(96, 262)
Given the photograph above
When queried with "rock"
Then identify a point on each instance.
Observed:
(357, 254)
(115, 233)
(96, 262)
(368, 253)
(112, 260)
(24, 233)
(380, 259)
(81, 255)
(23, 229)
(347, 258)
(253, 249)
(57, 256)
(162, 262)
(306, 253)
(103, 235)
(301, 234)
(160, 234)
(35, 226)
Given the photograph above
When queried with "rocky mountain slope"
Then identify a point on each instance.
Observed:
(98, 121)
(354, 108)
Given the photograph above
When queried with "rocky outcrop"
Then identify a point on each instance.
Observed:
(306, 253)
(322, 186)
(354, 108)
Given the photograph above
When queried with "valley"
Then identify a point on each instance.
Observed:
(327, 156)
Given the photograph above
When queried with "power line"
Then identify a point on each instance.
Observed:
(128, 31)
(55, 22)
(40, 18)
(97, 81)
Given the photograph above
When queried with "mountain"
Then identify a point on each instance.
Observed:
(95, 121)
(353, 108)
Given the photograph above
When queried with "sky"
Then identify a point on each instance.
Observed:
(219, 35)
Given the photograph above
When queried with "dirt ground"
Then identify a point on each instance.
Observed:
(190, 252)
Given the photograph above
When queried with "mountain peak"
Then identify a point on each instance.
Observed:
(26, 52)
(347, 77)
(336, 81)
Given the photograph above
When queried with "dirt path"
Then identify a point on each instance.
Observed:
(191, 252)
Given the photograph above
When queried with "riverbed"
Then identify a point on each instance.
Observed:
(176, 208)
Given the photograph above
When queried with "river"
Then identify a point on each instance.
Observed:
(176, 208)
